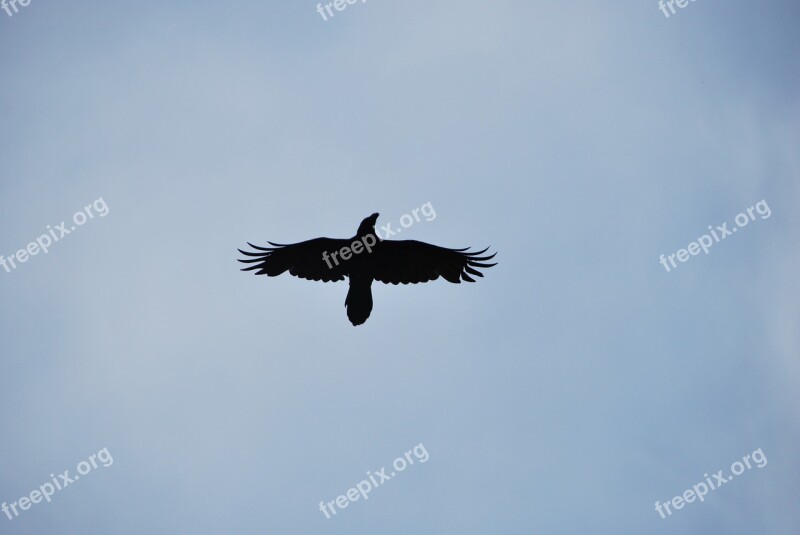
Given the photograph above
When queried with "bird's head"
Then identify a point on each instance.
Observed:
(368, 225)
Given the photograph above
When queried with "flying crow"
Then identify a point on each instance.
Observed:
(364, 258)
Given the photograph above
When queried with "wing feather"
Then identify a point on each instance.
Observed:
(302, 260)
(411, 262)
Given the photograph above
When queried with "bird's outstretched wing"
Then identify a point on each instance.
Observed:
(411, 261)
(302, 259)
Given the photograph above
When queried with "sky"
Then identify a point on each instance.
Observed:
(578, 387)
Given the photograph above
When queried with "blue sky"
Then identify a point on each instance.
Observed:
(566, 392)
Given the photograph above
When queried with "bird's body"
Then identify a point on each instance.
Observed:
(365, 258)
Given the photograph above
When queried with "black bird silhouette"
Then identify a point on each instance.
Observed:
(363, 258)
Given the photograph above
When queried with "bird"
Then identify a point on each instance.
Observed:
(365, 258)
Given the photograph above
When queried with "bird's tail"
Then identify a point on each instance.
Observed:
(359, 301)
